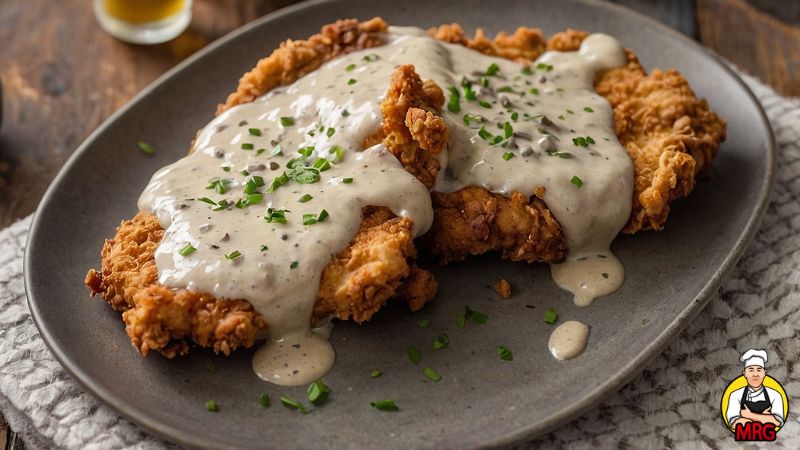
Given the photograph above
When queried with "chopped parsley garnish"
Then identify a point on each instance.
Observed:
(545, 67)
(338, 152)
(254, 131)
(507, 155)
(508, 131)
(252, 184)
(384, 405)
(293, 265)
(441, 341)
(485, 104)
(304, 175)
(431, 374)
(534, 91)
(423, 323)
(294, 404)
(414, 355)
(248, 146)
(569, 111)
(318, 391)
(222, 204)
(576, 181)
(454, 105)
(207, 200)
(306, 151)
(492, 69)
(350, 67)
(309, 219)
(526, 70)
(375, 373)
(260, 151)
(605, 275)
(263, 247)
(504, 89)
(322, 164)
(472, 117)
(146, 148)
(588, 109)
(211, 406)
(275, 215)
(475, 316)
(276, 151)
(460, 320)
(484, 82)
(550, 316)
(581, 141)
(226, 168)
(351, 81)
(287, 121)
(504, 353)
(233, 255)
(347, 180)
(489, 137)
(330, 131)
(305, 198)
(220, 185)
(514, 116)
(264, 400)
(250, 200)
(278, 181)
(371, 57)
(345, 113)
(187, 250)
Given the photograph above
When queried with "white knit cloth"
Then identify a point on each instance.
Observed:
(673, 404)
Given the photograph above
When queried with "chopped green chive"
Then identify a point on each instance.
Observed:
(581, 141)
(275, 215)
(507, 155)
(347, 180)
(309, 219)
(514, 116)
(492, 69)
(375, 373)
(294, 404)
(233, 255)
(220, 185)
(472, 117)
(248, 146)
(221, 205)
(526, 70)
(508, 131)
(211, 406)
(431, 374)
(263, 247)
(550, 316)
(277, 182)
(469, 94)
(504, 353)
(484, 82)
(207, 200)
(384, 405)
(293, 265)
(264, 400)
(337, 152)
(260, 151)
(323, 215)
(588, 109)
(351, 81)
(569, 111)
(460, 320)
(475, 316)
(226, 168)
(254, 131)
(252, 184)
(534, 91)
(423, 323)
(504, 89)
(371, 57)
(330, 131)
(350, 67)
(576, 181)
(305, 198)
(146, 148)
(276, 151)
(287, 121)
(318, 391)
(485, 104)
(414, 355)
(545, 67)
(441, 341)
(187, 250)
(454, 105)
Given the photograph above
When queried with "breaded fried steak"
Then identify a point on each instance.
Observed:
(646, 135)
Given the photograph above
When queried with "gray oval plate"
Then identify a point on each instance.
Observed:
(481, 400)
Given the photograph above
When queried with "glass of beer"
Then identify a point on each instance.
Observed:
(143, 21)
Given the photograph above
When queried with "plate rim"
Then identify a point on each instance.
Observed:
(624, 375)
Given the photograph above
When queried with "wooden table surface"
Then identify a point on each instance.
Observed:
(62, 75)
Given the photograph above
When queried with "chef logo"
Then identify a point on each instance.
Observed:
(754, 405)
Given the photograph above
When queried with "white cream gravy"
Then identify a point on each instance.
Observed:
(277, 266)
(568, 340)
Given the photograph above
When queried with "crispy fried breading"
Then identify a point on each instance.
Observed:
(670, 134)
(376, 266)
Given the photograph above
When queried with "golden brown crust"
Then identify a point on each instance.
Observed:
(670, 134)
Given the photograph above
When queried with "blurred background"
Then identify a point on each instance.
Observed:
(62, 74)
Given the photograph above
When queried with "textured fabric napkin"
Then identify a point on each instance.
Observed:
(673, 404)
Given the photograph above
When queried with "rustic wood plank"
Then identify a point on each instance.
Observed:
(753, 40)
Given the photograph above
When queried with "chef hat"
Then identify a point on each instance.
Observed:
(754, 357)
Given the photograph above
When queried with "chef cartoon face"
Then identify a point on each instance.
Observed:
(755, 376)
